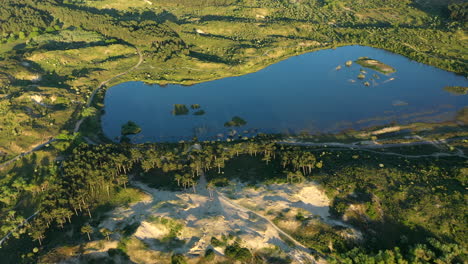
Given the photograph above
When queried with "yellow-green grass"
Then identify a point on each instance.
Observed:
(375, 65)
(118, 4)
(65, 61)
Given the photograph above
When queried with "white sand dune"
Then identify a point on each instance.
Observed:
(233, 210)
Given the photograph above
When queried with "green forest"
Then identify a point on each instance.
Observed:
(425, 210)
(60, 177)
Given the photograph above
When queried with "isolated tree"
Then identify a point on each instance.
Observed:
(106, 232)
(210, 187)
(179, 178)
(219, 162)
(267, 158)
(88, 230)
(295, 177)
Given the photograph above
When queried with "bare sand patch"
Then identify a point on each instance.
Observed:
(149, 230)
(193, 219)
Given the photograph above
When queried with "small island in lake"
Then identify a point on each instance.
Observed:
(130, 128)
(180, 109)
(235, 121)
(199, 112)
(375, 65)
(195, 106)
(457, 90)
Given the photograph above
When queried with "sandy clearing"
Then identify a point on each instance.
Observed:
(203, 218)
(148, 230)
(269, 199)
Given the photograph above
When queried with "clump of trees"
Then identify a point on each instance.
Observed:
(236, 252)
(130, 128)
(432, 252)
(235, 121)
(459, 12)
(155, 39)
(199, 112)
(92, 174)
(178, 259)
(20, 17)
(180, 109)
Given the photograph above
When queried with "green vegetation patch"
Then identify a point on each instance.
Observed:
(397, 201)
(180, 109)
(248, 168)
(457, 90)
(199, 112)
(235, 122)
(174, 226)
(375, 65)
(195, 106)
(238, 253)
(130, 128)
(178, 259)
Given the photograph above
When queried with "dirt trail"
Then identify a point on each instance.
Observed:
(102, 84)
(374, 145)
(38, 147)
(77, 127)
(79, 122)
(302, 254)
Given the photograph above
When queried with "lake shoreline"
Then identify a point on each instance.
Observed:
(264, 89)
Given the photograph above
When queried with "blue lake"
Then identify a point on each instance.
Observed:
(305, 93)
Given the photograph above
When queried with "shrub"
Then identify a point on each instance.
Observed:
(238, 253)
(178, 259)
(216, 242)
(209, 254)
